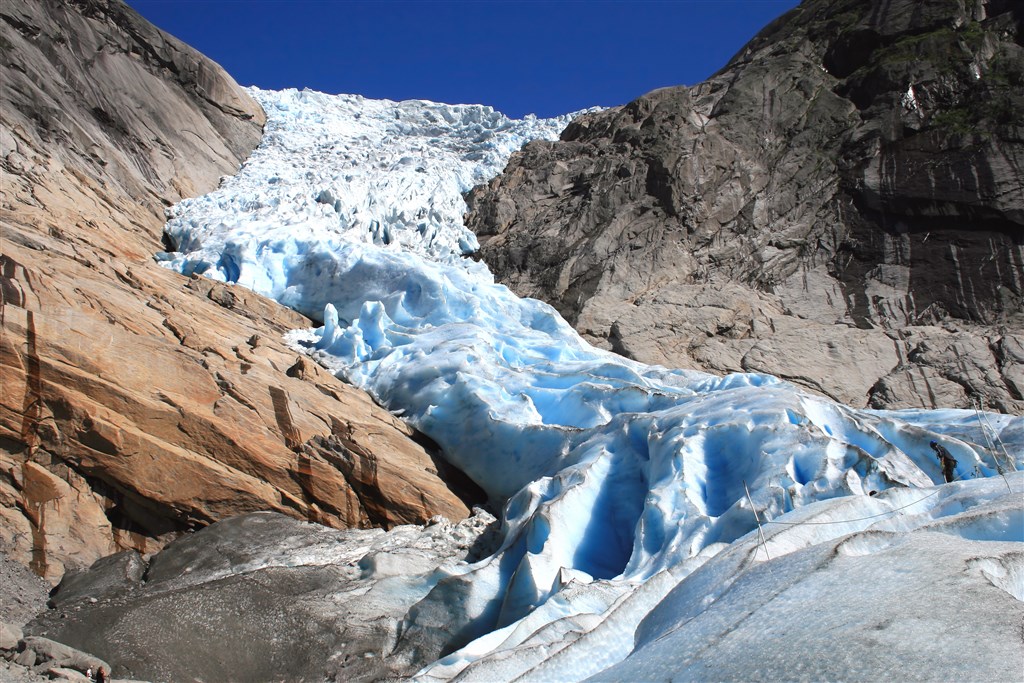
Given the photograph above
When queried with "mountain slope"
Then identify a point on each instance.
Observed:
(136, 403)
(842, 205)
(648, 513)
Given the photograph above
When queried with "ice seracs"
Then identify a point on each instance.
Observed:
(344, 169)
(617, 480)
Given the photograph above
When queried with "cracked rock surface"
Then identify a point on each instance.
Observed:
(835, 207)
(138, 404)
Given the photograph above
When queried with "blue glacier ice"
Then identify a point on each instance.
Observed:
(616, 479)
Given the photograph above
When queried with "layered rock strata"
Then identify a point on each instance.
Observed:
(842, 205)
(136, 403)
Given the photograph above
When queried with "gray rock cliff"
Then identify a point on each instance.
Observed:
(842, 205)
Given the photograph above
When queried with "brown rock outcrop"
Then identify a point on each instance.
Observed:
(840, 202)
(137, 403)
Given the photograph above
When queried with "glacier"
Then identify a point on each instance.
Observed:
(631, 496)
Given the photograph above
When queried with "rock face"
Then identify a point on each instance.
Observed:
(261, 597)
(842, 205)
(137, 404)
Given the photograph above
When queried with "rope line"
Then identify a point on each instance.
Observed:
(764, 541)
(857, 519)
(757, 518)
(986, 427)
(982, 423)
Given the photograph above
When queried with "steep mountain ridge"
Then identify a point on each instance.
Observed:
(833, 207)
(136, 403)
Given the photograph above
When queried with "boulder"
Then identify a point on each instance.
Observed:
(57, 654)
(266, 597)
(26, 658)
(59, 673)
(9, 636)
(107, 577)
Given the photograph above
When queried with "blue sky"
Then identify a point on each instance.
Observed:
(548, 58)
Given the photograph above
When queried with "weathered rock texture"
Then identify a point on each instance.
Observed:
(261, 597)
(842, 205)
(137, 403)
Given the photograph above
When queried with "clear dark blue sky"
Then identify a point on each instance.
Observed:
(529, 56)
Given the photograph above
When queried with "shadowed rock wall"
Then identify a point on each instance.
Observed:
(842, 206)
